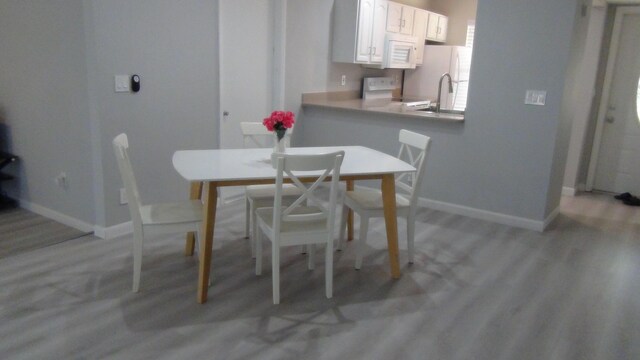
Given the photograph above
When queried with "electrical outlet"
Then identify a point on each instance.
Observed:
(123, 197)
(61, 180)
(343, 80)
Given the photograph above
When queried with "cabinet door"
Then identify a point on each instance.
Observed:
(379, 25)
(443, 21)
(406, 26)
(365, 29)
(432, 26)
(394, 17)
(420, 21)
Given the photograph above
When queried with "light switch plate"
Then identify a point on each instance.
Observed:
(122, 83)
(535, 97)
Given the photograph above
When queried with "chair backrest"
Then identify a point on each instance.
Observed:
(413, 149)
(255, 134)
(294, 167)
(121, 147)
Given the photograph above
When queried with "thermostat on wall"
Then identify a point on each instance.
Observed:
(135, 83)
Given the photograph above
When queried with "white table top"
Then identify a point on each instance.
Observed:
(255, 164)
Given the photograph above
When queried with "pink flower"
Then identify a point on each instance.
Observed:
(279, 120)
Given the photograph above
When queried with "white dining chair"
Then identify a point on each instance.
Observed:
(255, 134)
(367, 203)
(307, 221)
(156, 219)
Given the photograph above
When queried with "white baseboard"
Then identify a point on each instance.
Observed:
(551, 217)
(499, 218)
(114, 231)
(569, 191)
(56, 216)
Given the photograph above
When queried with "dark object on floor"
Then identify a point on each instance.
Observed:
(632, 201)
(624, 196)
(6, 159)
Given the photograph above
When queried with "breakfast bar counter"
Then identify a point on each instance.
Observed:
(349, 100)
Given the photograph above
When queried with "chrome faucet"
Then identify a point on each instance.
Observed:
(440, 89)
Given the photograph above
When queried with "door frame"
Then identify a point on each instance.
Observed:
(603, 106)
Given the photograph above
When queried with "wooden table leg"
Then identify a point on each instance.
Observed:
(350, 216)
(391, 222)
(194, 194)
(206, 244)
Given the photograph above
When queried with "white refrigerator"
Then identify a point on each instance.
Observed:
(421, 83)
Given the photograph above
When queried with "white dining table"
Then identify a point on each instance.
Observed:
(212, 169)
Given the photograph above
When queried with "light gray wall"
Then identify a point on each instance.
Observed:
(173, 47)
(44, 103)
(501, 158)
(58, 102)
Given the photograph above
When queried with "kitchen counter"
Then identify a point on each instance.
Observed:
(349, 100)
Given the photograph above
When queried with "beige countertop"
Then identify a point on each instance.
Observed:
(349, 100)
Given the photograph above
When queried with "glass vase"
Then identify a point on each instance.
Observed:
(278, 141)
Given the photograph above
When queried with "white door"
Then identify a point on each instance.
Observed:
(246, 66)
(246, 70)
(618, 158)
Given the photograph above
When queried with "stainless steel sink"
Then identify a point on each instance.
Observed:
(432, 111)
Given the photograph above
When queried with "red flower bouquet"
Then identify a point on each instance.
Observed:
(279, 121)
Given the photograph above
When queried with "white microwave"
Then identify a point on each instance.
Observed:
(400, 52)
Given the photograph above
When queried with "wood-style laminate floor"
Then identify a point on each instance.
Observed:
(478, 290)
(23, 231)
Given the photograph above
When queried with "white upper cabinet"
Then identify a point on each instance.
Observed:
(420, 22)
(378, 33)
(437, 27)
(358, 31)
(365, 31)
(360, 27)
(400, 18)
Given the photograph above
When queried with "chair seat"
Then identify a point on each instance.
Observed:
(371, 199)
(307, 226)
(172, 213)
(267, 191)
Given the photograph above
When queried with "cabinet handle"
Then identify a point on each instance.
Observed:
(403, 22)
(374, 50)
